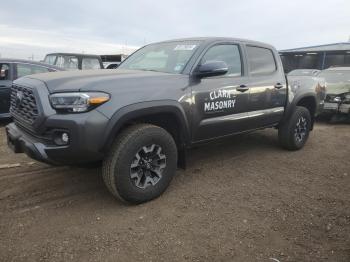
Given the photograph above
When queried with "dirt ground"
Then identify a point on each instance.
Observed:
(241, 199)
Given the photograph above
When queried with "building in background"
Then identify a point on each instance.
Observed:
(316, 57)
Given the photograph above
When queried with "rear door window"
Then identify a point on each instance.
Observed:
(261, 61)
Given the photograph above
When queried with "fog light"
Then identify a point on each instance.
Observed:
(65, 138)
(61, 138)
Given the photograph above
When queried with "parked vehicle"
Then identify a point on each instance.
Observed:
(112, 61)
(10, 70)
(338, 90)
(71, 61)
(308, 78)
(111, 65)
(141, 118)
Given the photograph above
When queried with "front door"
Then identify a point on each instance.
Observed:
(5, 88)
(220, 102)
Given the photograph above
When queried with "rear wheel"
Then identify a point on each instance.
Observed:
(294, 133)
(140, 164)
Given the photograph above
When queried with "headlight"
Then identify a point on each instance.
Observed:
(337, 99)
(77, 102)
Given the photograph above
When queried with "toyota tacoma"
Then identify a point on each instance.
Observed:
(141, 118)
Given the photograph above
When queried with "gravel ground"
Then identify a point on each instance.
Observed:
(241, 199)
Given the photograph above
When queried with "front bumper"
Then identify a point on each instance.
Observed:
(86, 132)
(5, 115)
(19, 142)
(344, 108)
(336, 108)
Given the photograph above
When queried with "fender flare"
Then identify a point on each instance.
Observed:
(293, 104)
(137, 110)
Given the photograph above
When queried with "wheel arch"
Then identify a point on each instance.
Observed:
(168, 114)
(307, 100)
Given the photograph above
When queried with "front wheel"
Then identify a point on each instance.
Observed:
(140, 164)
(294, 132)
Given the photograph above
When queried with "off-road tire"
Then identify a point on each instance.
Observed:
(287, 130)
(116, 165)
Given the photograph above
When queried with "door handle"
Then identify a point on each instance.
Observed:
(242, 88)
(278, 85)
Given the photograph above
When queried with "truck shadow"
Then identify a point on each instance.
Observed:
(234, 146)
(47, 187)
(334, 119)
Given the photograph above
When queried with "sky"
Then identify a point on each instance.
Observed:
(30, 29)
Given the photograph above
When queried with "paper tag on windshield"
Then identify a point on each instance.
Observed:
(185, 47)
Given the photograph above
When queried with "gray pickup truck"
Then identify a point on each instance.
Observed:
(141, 118)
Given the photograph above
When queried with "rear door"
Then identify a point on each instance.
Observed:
(220, 102)
(5, 87)
(267, 84)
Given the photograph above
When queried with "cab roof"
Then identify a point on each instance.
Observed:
(220, 39)
(74, 54)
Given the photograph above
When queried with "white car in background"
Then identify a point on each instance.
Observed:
(301, 78)
(337, 91)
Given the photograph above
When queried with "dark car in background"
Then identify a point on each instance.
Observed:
(10, 70)
(71, 61)
(338, 90)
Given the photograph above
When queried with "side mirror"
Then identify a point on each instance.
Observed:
(211, 68)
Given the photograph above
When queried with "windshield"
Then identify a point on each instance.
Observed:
(170, 57)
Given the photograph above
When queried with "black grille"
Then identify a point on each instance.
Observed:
(23, 104)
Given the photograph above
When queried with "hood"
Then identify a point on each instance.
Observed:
(125, 87)
(99, 80)
(338, 88)
(337, 80)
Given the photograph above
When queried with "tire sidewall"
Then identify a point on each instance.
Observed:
(121, 169)
(299, 112)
